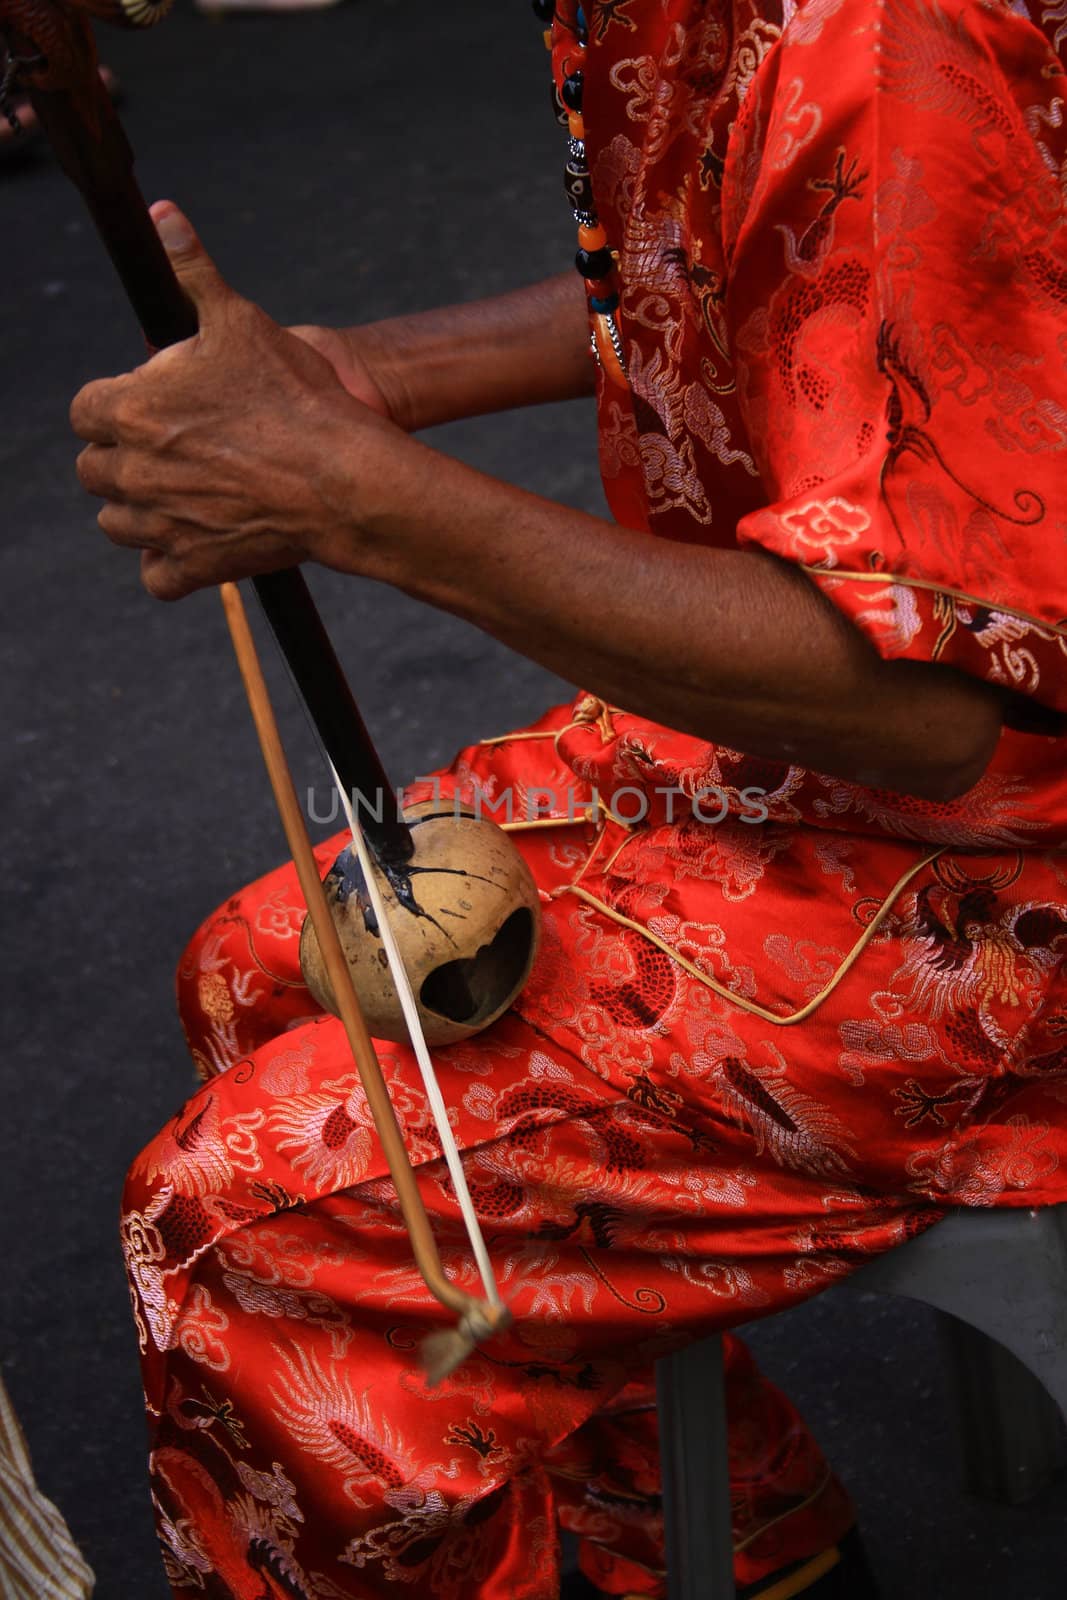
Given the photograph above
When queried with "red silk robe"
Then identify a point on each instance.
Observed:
(753, 1052)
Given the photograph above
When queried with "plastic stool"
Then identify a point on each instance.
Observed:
(1000, 1278)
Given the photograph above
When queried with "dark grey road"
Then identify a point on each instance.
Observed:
(342, 166)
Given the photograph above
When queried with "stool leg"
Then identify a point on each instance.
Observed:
(1011, 1432)
(691, 1403)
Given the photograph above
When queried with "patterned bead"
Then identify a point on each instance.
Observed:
(579, 188)
(559, 110)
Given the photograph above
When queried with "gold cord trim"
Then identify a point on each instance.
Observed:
(1057, 628)
(514, 738)
(604, 720)
(720, 989)
(751, 1006)
(594, 850)
(764, 1527)
(801, 1580)
(617, 852)
(558, 735)
(550, 822)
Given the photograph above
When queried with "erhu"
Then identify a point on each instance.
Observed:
(428, 924)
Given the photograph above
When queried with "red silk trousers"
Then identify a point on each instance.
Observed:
(296, 1449)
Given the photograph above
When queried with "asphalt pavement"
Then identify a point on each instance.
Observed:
(342, 165)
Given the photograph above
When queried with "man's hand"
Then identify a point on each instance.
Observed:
(222, 456)
(341, 348)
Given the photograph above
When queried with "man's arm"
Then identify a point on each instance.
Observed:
(733, 646)
(219, 455)
(517, 349)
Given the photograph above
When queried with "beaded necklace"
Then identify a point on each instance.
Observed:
(567, 42)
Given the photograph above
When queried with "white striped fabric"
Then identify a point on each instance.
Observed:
(38, 1558)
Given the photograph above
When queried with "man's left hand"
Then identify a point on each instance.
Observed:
(229, 454)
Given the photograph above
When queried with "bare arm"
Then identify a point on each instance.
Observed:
(517, 349)
(733, 646)
(220, 454)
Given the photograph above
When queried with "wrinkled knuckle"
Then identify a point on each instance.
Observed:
(125, 414)
(123, 476)
(129, 405)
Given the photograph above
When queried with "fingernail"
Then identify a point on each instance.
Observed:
(174, 231)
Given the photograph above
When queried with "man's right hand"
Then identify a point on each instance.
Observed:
(353, 371)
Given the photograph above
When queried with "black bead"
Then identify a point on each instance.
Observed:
(544, 9)
(572, 91)
(594, 263)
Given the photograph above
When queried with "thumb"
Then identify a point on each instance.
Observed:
(196, 272)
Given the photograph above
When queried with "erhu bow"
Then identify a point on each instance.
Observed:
(388, 892)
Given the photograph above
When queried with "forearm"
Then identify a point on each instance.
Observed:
(735, 647)
(517, 349)
(240, 451)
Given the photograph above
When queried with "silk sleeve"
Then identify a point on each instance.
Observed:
(897, 305)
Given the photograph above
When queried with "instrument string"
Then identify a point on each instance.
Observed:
(409, 1007)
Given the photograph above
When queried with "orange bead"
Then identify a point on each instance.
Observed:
(592, 238)
(575, 125)
(547, 37)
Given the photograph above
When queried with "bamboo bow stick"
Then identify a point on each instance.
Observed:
(478, 1319)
